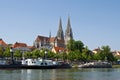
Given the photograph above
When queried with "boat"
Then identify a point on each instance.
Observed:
(101, 64)
(34, 64)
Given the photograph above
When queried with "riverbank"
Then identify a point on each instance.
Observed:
(115, 66)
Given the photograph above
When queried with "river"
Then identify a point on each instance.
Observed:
(61, 74)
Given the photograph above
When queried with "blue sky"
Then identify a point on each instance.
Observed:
(94, 22)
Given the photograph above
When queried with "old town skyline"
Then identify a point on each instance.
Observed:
(95, 23)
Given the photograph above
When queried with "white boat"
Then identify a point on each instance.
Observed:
(36, 64)
(39, 62)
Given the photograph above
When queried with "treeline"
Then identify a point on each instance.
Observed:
(75, 51)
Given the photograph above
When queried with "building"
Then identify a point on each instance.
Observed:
(60, 34)
(58, 49)
(3, 43)
(58, 41)
(95, 51)
(20, 46)
(46, 42)
(116, 53)
(68, 32)
(55, 42)
(41, 42)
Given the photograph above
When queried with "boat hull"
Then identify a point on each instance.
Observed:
(35, 67)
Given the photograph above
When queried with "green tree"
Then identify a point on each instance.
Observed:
(7, 52)
(74, 55)
(96, 56)
(27, 54)
(17, 54)
(70, 45)
(71, 56)
(50, 54)
(36, 53)
(106, 51)
(64, 56)
(87, 55)
(78, 45)
(75, 45)
(57, 56)
(1, 51)
(117, 57)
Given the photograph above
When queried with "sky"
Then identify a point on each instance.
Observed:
(95, 22)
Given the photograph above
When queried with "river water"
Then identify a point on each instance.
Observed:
(61, 74)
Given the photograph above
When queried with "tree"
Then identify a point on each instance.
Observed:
(57, 56)
(50, 54)
(87, 54)
(7, 52)
(17, 54)
(27, 54)
(36, 53)
(78, 55)
(71, 55)
(1, 51)
(62, 55)
(75, 49)
(107, 53)
(96, 56)
(70, 45)
(75, 45)
(104, 54)
(78, 45)
(74, 55)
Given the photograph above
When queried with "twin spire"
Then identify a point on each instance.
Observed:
(60, 34)
(68, 32)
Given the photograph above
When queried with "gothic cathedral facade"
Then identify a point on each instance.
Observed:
(60, 40)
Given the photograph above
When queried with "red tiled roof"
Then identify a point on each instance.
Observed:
(47, 39)
(42, 38)
(2, 43)
(97, 49)
(16, 45)
(58, 49)
(52, 39)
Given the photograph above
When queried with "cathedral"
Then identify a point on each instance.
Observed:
(59, 41)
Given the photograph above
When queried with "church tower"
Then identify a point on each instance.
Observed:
(60, 34)
(68, 33)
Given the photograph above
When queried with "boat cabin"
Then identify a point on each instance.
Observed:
(39, 62)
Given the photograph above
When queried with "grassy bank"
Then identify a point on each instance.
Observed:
(115, 66)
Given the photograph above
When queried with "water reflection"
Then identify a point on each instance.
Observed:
(61, 74)
(44, 74)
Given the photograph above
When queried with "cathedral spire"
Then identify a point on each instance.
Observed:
(50, 34)
(68, 33)
(60, 34)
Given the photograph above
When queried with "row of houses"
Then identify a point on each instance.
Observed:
(25, 47)
(55, 49)
(115, 53)
(15, 46)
